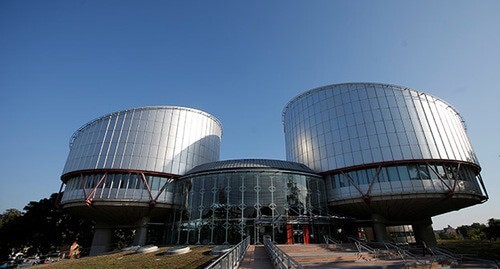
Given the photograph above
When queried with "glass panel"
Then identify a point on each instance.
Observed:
(403, 173)
(392, 173)
(423, 171)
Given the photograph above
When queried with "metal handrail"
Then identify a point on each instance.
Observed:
(360, 245)
(401, 251)
(447, 253)
(458, 257)
(329, 239)
(232, 258)
(279, 258)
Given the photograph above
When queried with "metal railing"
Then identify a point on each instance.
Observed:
(403, 253)
(279, 258)
(446, 253)
(232, 258)
(329, 240)
(362, 246)
(458, 258)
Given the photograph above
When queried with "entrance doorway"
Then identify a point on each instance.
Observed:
(297, 233)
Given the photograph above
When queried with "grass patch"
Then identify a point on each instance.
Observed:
(197, 258)
(482, 248)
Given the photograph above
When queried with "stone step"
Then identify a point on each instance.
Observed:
(322, 256)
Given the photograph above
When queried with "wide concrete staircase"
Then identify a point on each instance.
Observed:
(347, 256)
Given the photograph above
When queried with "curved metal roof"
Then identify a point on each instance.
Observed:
(245, 164)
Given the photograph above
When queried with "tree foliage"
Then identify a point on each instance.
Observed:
(476, 231)
(493, 229)
(42, 228)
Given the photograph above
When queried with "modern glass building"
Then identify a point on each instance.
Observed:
(387, 153)
(227, 201)
(387, 158)
(122, 167)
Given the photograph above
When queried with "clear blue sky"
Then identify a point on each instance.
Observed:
(64, 63)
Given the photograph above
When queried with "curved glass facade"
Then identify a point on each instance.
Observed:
(401, 179)
(168, 140)
(345, 125)
(225, 206)
(121, 186)
(384, 149)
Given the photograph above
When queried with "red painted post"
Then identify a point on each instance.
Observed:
(289, 234)
(305, 230)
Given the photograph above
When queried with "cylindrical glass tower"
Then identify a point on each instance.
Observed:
(124, 163)
(384, 149)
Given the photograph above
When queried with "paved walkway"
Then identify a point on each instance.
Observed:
(256, 257)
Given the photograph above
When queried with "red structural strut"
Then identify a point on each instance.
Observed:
(89, 198)
(367, 197)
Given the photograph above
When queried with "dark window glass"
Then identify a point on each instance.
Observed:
(423, 171)
(361, 176)
(464, 174)
(343, 181)
(472, 174)
(392, 172)
(450, 171)
(403, 173)
(106, 182)
(441, 171)
(382, 176)
(370, 175)
(433, 172)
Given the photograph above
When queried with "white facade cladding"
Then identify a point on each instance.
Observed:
(345, 125)
(125, 163)
(381, 147)
(165, 139)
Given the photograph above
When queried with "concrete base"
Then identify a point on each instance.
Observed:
(141, 232)
(101, 243)
(424, 233)
(379, 228)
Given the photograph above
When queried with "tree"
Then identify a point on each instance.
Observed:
(493, 229)
(8, 216)
(476, 231)
(44, 227)
(10, 227)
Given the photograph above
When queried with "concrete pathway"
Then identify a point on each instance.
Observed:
(256, 257)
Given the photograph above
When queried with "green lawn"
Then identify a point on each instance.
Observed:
(483, 248)
(197, 258)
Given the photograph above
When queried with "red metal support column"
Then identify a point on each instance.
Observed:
(151, 199)
(289, 234)
(170, 180)
(305, 230)
(353, 183)
(367, 197)
(89, 199)
(439, 176)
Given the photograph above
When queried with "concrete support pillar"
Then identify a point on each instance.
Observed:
(141, 232)
(379, 228)
(101, 243)
(424, 233)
